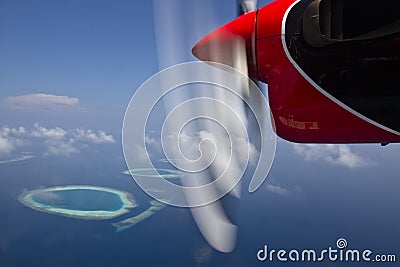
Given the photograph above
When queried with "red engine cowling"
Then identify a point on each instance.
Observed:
(305, 109)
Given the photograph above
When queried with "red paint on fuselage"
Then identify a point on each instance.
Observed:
(293, 99)
(301, 112)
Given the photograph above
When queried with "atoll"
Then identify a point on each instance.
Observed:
(53, 201)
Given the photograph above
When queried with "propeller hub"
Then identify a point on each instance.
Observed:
(232, 44)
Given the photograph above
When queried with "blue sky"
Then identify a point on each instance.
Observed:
(76, 64)
(73, 66)
(96, 51)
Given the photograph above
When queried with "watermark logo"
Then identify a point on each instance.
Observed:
(340, 253)
(341, 243)
(204, 132)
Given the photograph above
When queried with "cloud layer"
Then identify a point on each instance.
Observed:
(189, 145)
(57, 141)
(67, 142)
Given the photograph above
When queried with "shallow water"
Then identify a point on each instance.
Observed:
(79, 199)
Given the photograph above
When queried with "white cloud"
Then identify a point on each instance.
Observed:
(78, 134)
(243, 149)
(64, 142)
(151, 141)
(6, 131)
(333, 154)
(6, 146)
(276, 189)
(189, 145)
(43, 132)
(60, 147)
(97, 138)
(40, 101)
(241, 145)
(20, 130)
(57, 140)
(8, 139)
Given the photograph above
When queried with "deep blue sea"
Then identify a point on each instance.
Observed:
(314, 206)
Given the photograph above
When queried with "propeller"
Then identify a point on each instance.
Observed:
(231, 45)
(245, 6)
(234, 45)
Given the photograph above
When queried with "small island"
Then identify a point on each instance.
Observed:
(154, 173)
(80, 201)
(123, 225)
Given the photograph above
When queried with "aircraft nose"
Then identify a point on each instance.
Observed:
(230, 42)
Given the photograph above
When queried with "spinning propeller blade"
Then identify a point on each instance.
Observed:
(232, 45)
